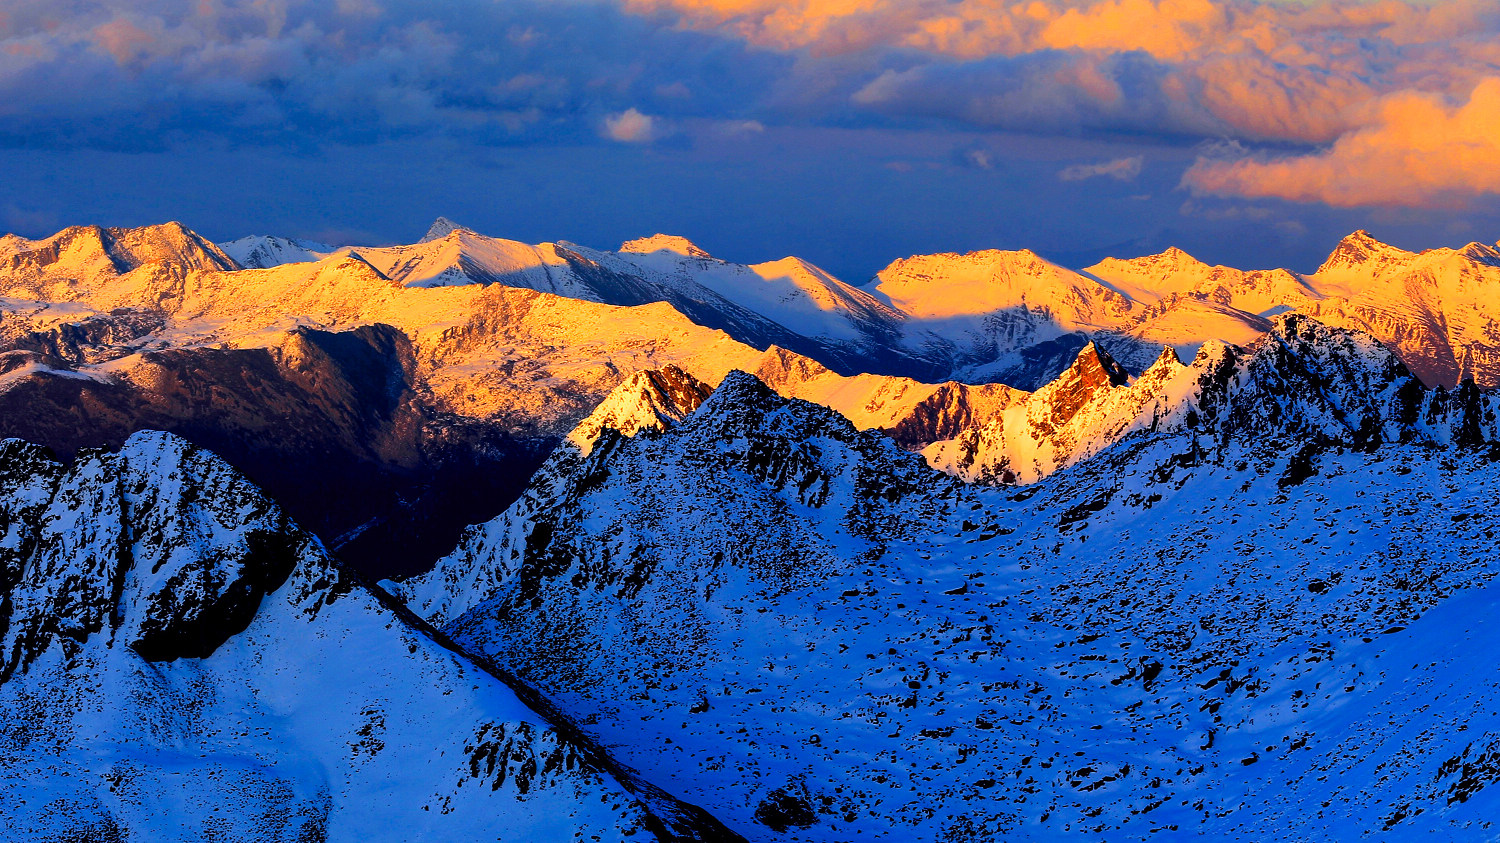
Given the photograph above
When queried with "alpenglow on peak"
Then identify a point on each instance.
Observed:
(663, 243)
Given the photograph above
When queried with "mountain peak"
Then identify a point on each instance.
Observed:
(1170, 258)
(779, 366)
(1359, 249)
(264, 251)
(1092, 372)
(1097, 368)
(352, 264)
(1168, 356)
(663, 243)
(1481, 253)
(652, 400)
(440, 228)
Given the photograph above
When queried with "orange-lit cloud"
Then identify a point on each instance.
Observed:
(1263, 69)
(1346, 72)
(630, 126)
(1416, 150)
(1308, 73)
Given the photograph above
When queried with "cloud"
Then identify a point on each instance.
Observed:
(1415, 150)
(630, 126)
(134, 74)
(1255, 70)
(1121, 169)
(980, 159)
(1308, 75)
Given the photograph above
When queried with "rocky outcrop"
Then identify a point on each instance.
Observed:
(648, 401)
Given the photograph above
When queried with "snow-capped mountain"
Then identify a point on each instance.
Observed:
(1360, 396)
(264, 251)
(1264, 615)
(40, 269)
(998, 316)
(647, 401)
(182, 662)
(1244, 596)
(381, 414)
(499, 348)
(1434, 308)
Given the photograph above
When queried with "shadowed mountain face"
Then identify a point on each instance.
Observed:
(1248, 596)
(329, 423)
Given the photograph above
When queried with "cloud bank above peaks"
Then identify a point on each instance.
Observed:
(1308, 74)
(1415, 150)
(127, 74)
(1327, 85)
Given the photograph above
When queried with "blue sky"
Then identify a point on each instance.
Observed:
(1255, 134)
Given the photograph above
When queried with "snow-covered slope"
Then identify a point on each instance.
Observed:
(42, 269)
(181, 662)
(951, 286)
(990, 316)
(1327, 384)
(1175, 275)
(126, 329)
(1436, 308)
(431, 418)
(913, 413)
(1267, 619)
(264, 251)
(647, 401)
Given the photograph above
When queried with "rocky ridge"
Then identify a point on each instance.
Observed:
(1260, 617)
(504, 347)
(182, 661)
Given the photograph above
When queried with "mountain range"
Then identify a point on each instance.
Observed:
(421, 385)
(1262, 614)
(673, 548)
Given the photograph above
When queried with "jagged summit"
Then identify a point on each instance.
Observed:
(1096, 368)
(1481, 253)
(1361, 249)
(440, 228)
(758, 565)
(780, 366)
(266, 251)
(664, 243)
(1168, 355)
(1302, 384)
(651, 400)
(793, 452)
